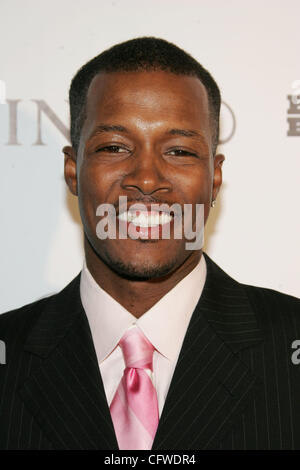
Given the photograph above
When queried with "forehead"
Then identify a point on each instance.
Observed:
(149, 96)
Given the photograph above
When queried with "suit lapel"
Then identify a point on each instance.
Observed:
(66, 394)
(211, 386)
(209, 390)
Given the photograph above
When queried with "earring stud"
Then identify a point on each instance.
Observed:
(213, 203)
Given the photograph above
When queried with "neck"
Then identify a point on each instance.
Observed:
(135, 295)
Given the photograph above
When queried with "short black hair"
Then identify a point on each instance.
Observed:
(140, 54)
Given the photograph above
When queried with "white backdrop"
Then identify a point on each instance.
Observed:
(252, 50)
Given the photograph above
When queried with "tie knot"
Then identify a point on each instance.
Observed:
(137, 349)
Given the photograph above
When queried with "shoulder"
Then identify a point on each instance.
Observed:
(36, 326)
(18, 322)
(29, 313)
(260, 297)
(264, 298)
(273, 306)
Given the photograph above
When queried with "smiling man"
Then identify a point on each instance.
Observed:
(152, 345)
(148, 135)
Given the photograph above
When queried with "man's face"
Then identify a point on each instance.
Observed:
(159, 151)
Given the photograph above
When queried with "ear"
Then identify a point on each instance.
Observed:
(70, 169)
(217, 181)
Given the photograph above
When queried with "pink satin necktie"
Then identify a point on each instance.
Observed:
(134, 408)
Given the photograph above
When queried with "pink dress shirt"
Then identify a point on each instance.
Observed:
(164, 324)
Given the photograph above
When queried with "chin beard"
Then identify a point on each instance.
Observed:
(136, 272)
(139, 272)
(142, 272)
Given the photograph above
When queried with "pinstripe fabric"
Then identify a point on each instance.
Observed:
(234, 386)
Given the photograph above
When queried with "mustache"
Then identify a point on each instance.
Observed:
(146, 200)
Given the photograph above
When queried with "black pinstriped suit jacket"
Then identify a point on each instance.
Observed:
(234, 386)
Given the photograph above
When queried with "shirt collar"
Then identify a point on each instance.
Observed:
(164, 324)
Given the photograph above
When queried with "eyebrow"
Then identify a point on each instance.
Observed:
(102, 128)
(189, 133)
(185, 133)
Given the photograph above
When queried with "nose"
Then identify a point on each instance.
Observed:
(147, 174)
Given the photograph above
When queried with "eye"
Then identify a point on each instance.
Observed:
(112, 149)
(181, 153)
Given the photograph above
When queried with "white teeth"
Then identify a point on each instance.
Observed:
(146, 220)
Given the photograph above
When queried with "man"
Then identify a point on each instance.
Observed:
(220, 370)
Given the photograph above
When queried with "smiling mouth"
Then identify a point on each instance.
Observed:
(146, 219)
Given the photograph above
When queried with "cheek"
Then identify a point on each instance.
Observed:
(196, 188)
(95, 184)
(91, 193)
(196, 185)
